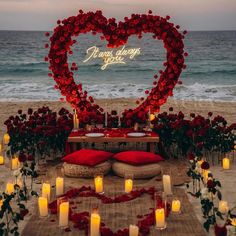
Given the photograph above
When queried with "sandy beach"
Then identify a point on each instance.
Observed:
(226, 109)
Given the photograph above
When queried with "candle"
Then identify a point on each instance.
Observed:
(1, 160)
(6, 138)
(152, 117)
(223, 207)
(1, 147)
(1, 203)
(64, 214)
(205, 174)
(75, 121)
(10, 188)
(59, 186)
(98, 182)
(105, 119)
(160, 218)
(175, 206)
(133, 230)
(15, 164)
(46, 190)
(18, 181)
(226, 163)
(167, 184)
(128, 185)
(43, 206)
(95, 224)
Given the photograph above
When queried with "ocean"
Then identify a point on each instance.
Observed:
(210, 73)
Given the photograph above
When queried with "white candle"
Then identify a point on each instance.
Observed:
(1, 160)
(6, 138)
(43, 206)
(175, 206)
(133, 230)
(223, 207)
(64, 214)
(95, 224)
(160, 218)
(128, 185)
(226, 163)
(98, 182)
(59, 186)
(46, 190)
(10, 188)
(167, 184)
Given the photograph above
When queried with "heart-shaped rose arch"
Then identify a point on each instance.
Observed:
(116, 34)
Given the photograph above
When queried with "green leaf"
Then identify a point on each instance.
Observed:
(206, 225)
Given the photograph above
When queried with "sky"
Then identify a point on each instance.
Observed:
(190, 14)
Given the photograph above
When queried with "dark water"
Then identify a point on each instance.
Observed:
(211, 72)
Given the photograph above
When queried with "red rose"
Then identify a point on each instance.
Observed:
(205, 165)
(210, 183)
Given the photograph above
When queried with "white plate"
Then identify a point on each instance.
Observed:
(136, 134)
(94, 135)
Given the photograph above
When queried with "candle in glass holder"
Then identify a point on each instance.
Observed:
(63, 214)
(1, 160)
(15, 164)
(10, 188)
(98, 182)
(167, 184)
(160, 218)
(175, 206)
(128, 185)
(223, 207)
(46, 190)
(43, 206)
(133, 230)
(95, 224)
(226, 163)
(6, 138)
(59, 186)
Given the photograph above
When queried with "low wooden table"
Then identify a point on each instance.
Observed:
(75, 142)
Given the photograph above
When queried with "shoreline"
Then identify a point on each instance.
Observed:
(225, 109)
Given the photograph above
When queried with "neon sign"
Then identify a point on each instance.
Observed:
(112, 56)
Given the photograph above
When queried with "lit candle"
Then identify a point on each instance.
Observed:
(133, 230)
(43, 206)
(9, 188)
(205, 174)
(160, 218)
(6, 138)
(98, 182)
(1, 203)
(152, 117)
(226, 163)
(95, 224)
(15, 164)
(64, 214)
(1, 160)
(1, 147)
(175, 206)
(199, 163)
(75, 121)
(59, 186)
(223, 207)
(167, 184)
(46, 190)
(128, 185)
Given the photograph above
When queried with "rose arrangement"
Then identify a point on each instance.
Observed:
(207, 189)
(38, 131)
(116, 34)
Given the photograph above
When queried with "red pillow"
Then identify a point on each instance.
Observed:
(137, 157)
(87, 157)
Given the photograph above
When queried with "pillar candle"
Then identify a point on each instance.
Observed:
(175, 206)
(98, 181)
(9, 188)
(63, 214)
(43, 206)
(167, 184)
(223, 207)
(205, 174)
(6, 138)
(1, 160)
(160, 218)
(133, 230)
(46, 190)
(95, 224)
(75, 121)
(1, 203)
(128, 185)
(59, 186)
(226, 163)
(15, 164)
